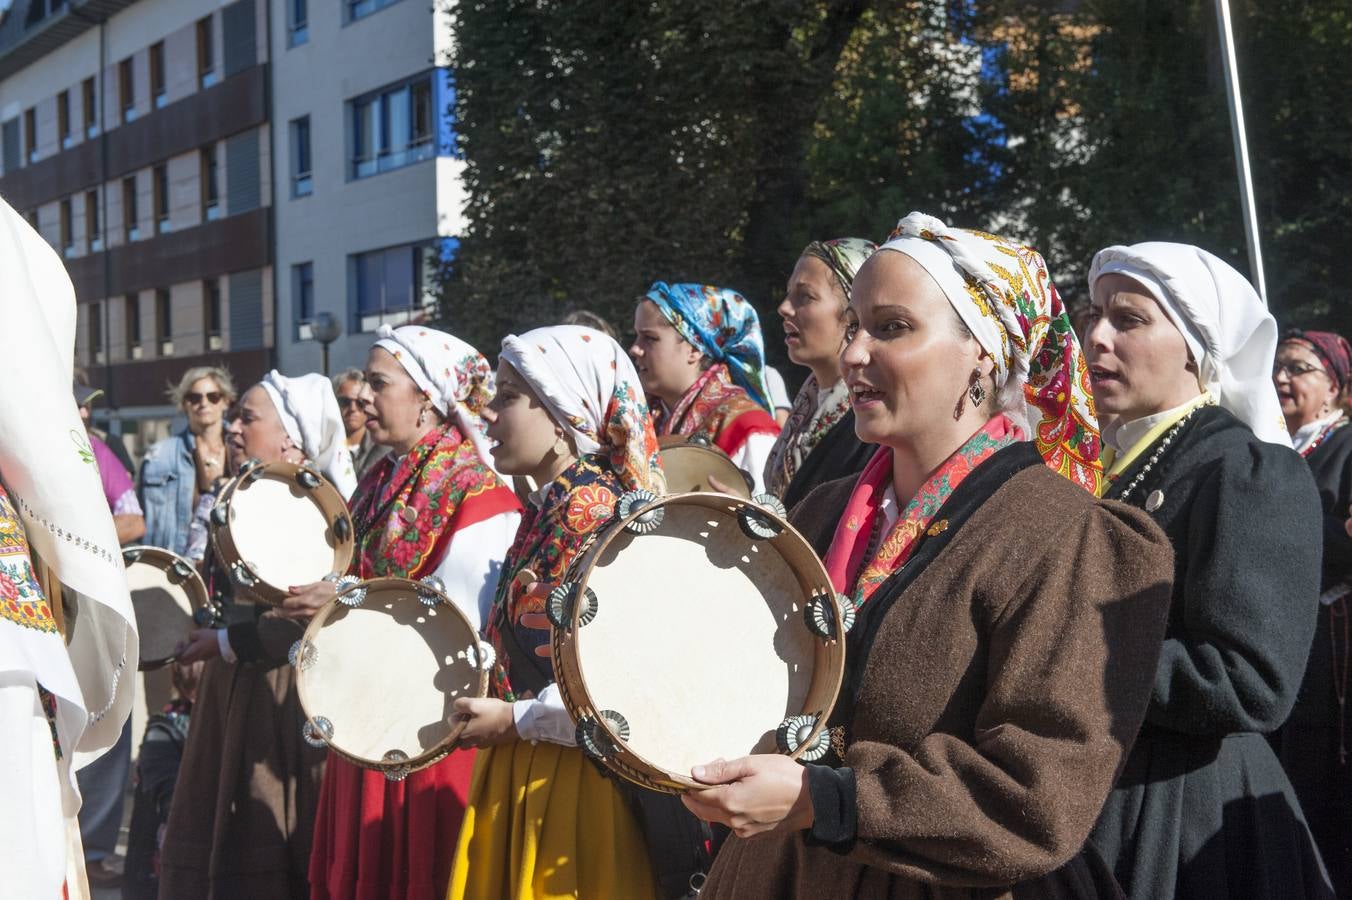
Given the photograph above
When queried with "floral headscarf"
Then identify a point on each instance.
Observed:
(843, 256)
(1005, 296)
(721, 324)
(455, 376)
(589, 386)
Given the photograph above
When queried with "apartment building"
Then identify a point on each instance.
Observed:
(369, 196)
(135, 137)
(220, 176)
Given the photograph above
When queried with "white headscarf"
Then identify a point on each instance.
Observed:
(1228, 330)
(309, 413)
(453, 375)
(53, 482)
(591, 389)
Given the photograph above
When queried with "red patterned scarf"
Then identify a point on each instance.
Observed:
(406, 511)
(715, 407)
(851, 572)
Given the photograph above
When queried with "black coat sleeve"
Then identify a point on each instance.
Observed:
(1245, 596)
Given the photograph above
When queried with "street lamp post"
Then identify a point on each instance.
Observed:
(326, 329)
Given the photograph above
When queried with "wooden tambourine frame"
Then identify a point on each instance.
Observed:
(688, 462)
(420, 604)
(795, 603)
(176, 575)
(305, 483)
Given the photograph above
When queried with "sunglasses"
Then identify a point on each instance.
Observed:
(193, 398)
(345, 402)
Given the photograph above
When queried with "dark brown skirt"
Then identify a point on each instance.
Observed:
(243, 812)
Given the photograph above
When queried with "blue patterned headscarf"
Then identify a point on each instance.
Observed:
(721, 324)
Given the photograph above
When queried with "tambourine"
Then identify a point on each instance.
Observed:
(379, 669)
(688, 462)
(278, 525)
(743, 652)
(169, 598)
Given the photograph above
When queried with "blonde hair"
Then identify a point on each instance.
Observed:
(348, 374)
(217, 374)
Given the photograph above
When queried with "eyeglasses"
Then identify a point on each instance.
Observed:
(1294, 369)
(345, 402)
(193, 398)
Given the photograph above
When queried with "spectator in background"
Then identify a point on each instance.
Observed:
(186, 464)
(114, 441)
(779, 395)
(118, 489)
(103, 782)
(354, 395)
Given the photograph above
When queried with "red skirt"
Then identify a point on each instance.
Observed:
(377, 839)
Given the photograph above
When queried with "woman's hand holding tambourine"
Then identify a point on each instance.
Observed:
(487, 721)
(307, 599)
(201, 645)
(753, 794)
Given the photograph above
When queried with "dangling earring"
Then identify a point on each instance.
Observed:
(977, 391)
(422, 417)
(560, 446)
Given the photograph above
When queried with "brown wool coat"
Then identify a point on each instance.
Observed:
(242, 818)
(994, 708)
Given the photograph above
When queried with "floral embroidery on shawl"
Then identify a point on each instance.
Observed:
(577, 504)
(406, 512)
(709, 407)
(815, 412)
(21, 599)
(853, 535)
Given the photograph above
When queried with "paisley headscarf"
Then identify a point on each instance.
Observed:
(843, 256)
(721, 324)
(590, 388)
(453, 375)
(1005, 296)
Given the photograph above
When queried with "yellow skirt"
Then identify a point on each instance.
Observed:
(542, 823)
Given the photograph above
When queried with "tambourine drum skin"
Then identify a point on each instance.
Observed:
(379, 669)
(688, 463)
(165, 593)
(278, 525)
(740, 649)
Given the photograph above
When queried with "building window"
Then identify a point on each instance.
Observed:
(93, 222)
(95, 313)
(131, 220)
(160, 188)
(158, 93)
(63, 120)
(164, 325)
(32, 217)
(30, 135)
(132, 305)
(303, 294)
(360, 9)
(301, 183)
(392, 128)
(298, 21)
(206, 53)
(126, 90)
(391, 286)
(90, 103)
(211, 191)
(211, 312)
(67, 230)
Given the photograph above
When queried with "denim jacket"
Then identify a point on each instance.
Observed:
(167, 484)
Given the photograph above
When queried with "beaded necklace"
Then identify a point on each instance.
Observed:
(1161, 447)
(1323, 435)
